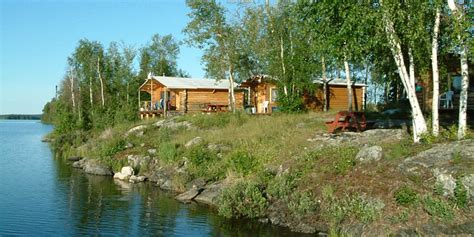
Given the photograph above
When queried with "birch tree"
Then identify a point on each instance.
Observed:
(209, 30)
(419, 123)
(434, 65)
(460, 29)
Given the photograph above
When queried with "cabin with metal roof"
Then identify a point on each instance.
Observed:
(183, 95)
(262, 95)
(337, 95)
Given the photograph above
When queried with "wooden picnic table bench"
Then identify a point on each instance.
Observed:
(349, 120)
(214, 108)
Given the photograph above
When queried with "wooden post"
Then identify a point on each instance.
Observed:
(151, 93)
(165, 102)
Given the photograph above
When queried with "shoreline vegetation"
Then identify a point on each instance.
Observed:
(286, 170)
(20, 116)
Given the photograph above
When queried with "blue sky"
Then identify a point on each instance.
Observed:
(37, 37)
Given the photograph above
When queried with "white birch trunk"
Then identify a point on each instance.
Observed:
(349, 83)
(465, 77)
(101, 82)
(411, 66)
(231, 88)
(434, 65)
(71, 83)
(325, 89)
(463, 96)
(417, 116)
(90, 91)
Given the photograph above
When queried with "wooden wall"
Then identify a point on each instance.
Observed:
(337, 98)
(194, 99)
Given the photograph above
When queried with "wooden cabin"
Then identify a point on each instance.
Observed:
(337, 96)
(262, 94)
(183, 95)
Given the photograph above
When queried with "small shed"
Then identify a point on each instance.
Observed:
(185, 94)
(337, 95)
(262, 95)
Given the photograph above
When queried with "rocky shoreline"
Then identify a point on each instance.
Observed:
(435, 164)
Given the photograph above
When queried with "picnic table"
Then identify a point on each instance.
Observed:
(215, 108)
(349, 120)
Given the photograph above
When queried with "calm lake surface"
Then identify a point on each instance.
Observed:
(43, 196)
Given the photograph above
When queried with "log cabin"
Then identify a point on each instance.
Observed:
(177, 95)
(262, 94)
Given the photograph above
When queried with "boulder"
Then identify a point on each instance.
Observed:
(370, 154)
(138, 130)
(198, 183)
(137, 179)
(172, 124)
(445, 163)
(152, 151)
(211, 193)
(79, 164)
(193, 142)
(127, 170)
(128, 145)
(137, 161)
(74, 158)
(92, 166)
(121, 176)
(188, 195)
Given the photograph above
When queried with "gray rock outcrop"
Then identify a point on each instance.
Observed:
(370, 154)
(193, 142)
(446, 163)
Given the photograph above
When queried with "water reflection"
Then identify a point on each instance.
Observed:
(43, 196)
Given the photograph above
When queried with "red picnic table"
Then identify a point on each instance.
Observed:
(215, 108)
(347, 119)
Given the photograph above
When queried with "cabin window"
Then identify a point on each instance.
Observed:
(273, 94)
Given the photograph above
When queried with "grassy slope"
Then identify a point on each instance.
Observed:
(275, 167)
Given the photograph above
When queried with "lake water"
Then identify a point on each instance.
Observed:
(43, 196)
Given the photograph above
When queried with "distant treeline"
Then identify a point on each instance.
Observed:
(21, 116)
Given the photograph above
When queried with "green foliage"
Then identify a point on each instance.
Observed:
(204, 162)
(290, 103)
(352, 206)
(302, 203)
(405, 196)
(282, 186)
(345, 160)
(438, 208)
(460, 194)
(168, 151)
(242, 162)
(401, 217)
(243, 199)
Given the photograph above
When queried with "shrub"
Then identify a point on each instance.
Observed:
(405, 196)
(460, 194)
(438, 208)
(355, 206)
(302, 204)
(243, 199)
(168, 151)
(282, 186)
(242, 162)
(203, 163)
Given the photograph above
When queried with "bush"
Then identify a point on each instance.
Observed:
(361, 208)
(168, 151)
(242, 162)
(460, 194)
(302, 204)
(204, 163)
(438, 208)
(243, 199)
(405, 196)
(282, 186)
